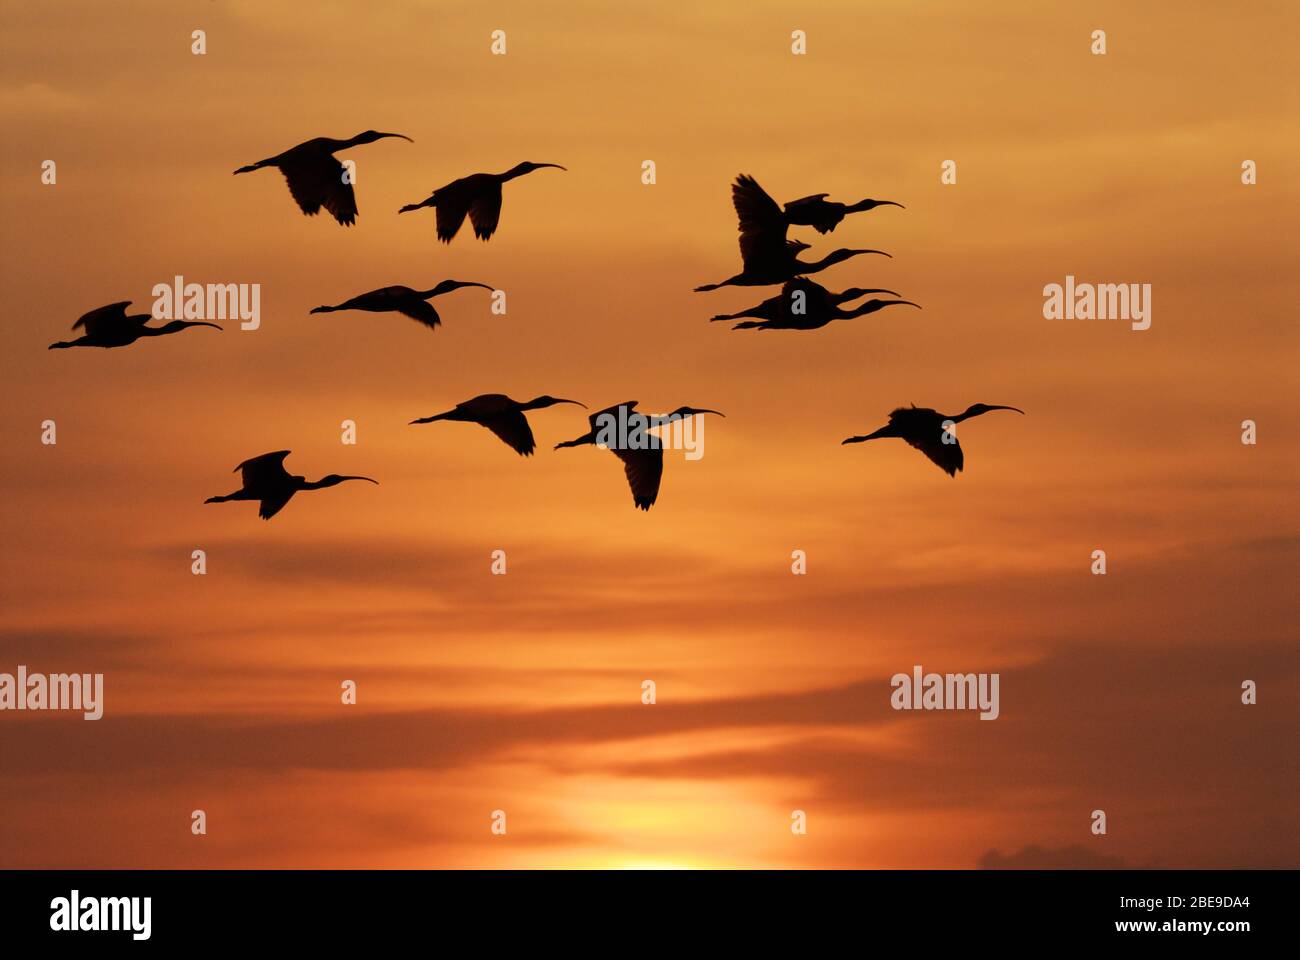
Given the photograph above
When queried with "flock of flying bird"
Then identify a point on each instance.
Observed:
(317, 179)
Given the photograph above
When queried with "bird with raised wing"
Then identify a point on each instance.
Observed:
(502, 415)
(111, 326)
(403, 300)
(804, 304)
(931, 432)
(766, 255)
(825, 215)
(625, 433)
(477, 196)
(316, 179)
(266, 480)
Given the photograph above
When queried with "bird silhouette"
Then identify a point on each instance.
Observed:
(316, 179)
(265, 479)
(403, 300)
(478, 196)
(502, 415)
(815, 308)
(640, 451)
(766, 255)
(930, 432)
(110, 326)
(825, 215)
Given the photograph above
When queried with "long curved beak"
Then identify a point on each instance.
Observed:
(692, 411)
(204, 323)
(854, 292)
(556, 165)
(890, 303)
(471, 283)
(578, 402)
(375, 482)
(399, 135)
(881, 252)
(998, 406)
(890, 203)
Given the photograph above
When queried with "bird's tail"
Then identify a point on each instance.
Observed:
(708, 286)
(750, 325)
(436, 416)
(416, 206)
(726, 316)
(216, 499)
(60, 345)
(568, 443)
(251, 167)
(323, 309)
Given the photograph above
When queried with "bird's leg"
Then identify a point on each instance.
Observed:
(254, 166)
(736, 316)
(876, 435)
(436, 416)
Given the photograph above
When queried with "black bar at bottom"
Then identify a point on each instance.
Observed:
(1169, 909)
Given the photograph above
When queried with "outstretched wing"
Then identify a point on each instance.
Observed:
(946, 456)
(644, 469)
(817, 299)
(384, 298)
(318, 180)
(815, 211)
(274, 502)
(417, 309)
(804, 203)
(512, 428)
(762, 224)
(609, 416)
(485, 213)
(266, 471)
(923, 430)
(452, 203)
(103, 318)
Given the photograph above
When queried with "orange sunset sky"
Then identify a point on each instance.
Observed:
(523, 692)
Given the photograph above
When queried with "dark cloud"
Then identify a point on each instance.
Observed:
(1052, 858)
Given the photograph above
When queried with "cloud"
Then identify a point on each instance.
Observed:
(37, 99)
(1051, 858)
(78, 650)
